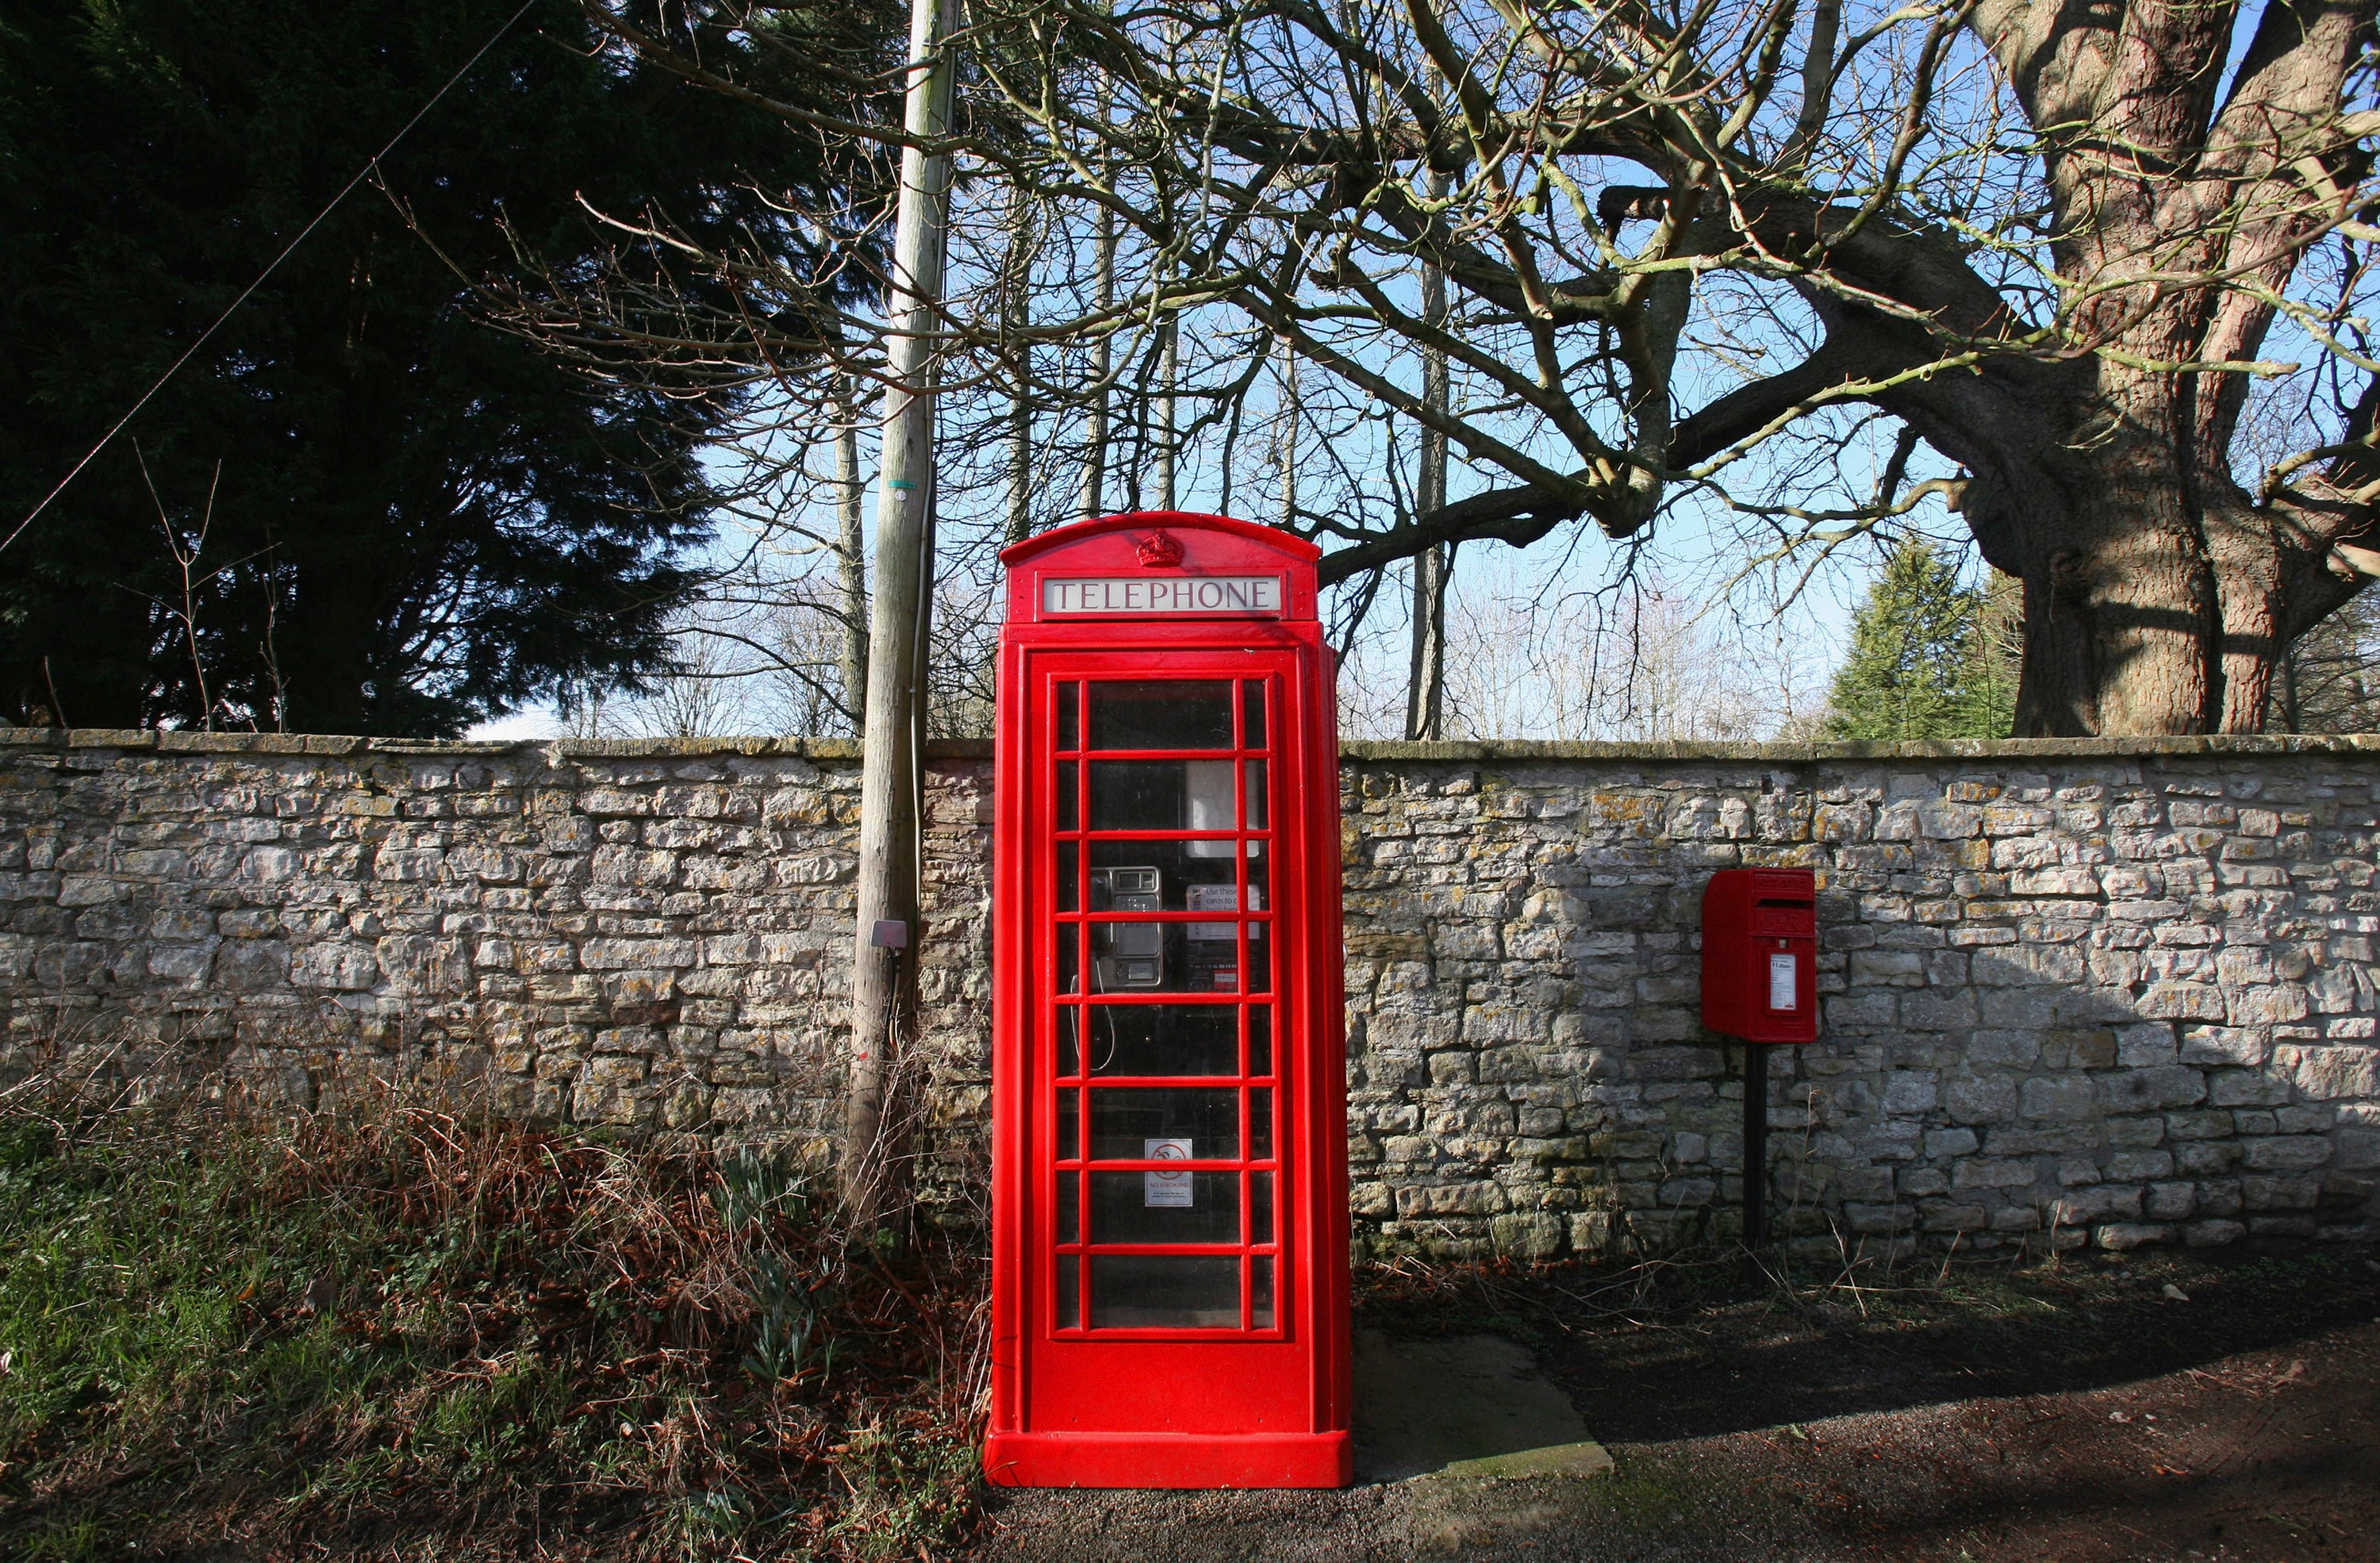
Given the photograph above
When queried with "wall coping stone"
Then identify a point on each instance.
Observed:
(1360, 749)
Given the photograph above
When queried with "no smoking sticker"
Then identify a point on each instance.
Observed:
(1167, 1187)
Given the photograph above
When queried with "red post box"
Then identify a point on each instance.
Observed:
(1760, 954)
(1169, 1119)
(1760, 984)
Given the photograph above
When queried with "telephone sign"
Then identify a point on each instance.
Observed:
(1169, 1119)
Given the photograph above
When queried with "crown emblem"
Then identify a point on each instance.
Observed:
(1159, 552)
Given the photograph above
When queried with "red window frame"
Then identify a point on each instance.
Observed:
(1059, 678)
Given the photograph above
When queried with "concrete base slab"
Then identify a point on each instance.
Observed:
(1468, 1408)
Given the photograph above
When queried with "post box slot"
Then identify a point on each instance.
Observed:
(1165, 1292)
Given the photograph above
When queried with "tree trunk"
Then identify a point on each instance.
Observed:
(1095, 438)
(1168, 365)
(1016, 309)
(323, 648)
(1287, 437)
(883, 970)
(1433, 566)
(850, 551)
(2122, 623)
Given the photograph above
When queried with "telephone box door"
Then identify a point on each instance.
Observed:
(1163, 1256)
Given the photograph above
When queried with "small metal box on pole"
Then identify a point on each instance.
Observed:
(1760, 985)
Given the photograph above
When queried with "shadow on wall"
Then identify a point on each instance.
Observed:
(2125, 999)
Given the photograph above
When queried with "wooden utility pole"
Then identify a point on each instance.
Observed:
(884, 944)
(1425, 688)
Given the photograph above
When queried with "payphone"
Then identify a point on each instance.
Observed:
(1169, 1119)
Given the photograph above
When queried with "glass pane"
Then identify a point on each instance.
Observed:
(1153, 715)
(1068, 1059)
(1260, 1290)
(1207, 797)
(1068, 1111)
(1165, 1206)
(1162, 958)
(1261, 1121)
(1258, 790)
(1179, 866)
(1259, 1208)
(1066, 795)
(1140, 794)
(1163, 1039)
(1252, 714)
(1070, 1301)
(1164, 1291)
(1068, 715)
(1069, 875)
(1194, 1124)
(1069, 1209)
(1259, 1039)
(1069, 938)
(1215, 890)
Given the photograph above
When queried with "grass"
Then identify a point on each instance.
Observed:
(227, 1334)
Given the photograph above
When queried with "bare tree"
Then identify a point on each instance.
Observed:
(2037, 240)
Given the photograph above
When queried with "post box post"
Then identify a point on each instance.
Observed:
(1760, 985)
(1169, 1119)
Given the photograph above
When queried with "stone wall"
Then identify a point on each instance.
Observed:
(638, 934)
(2125, 990)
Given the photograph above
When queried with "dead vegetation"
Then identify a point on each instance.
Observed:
(404, 1334)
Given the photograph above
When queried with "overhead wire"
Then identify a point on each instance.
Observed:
(286, 250)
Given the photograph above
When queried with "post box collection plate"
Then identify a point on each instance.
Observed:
(1169, 1192)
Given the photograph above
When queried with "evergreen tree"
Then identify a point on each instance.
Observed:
(1928, 656)
(412, 521)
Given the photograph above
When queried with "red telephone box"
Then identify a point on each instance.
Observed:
(1169, 1121)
